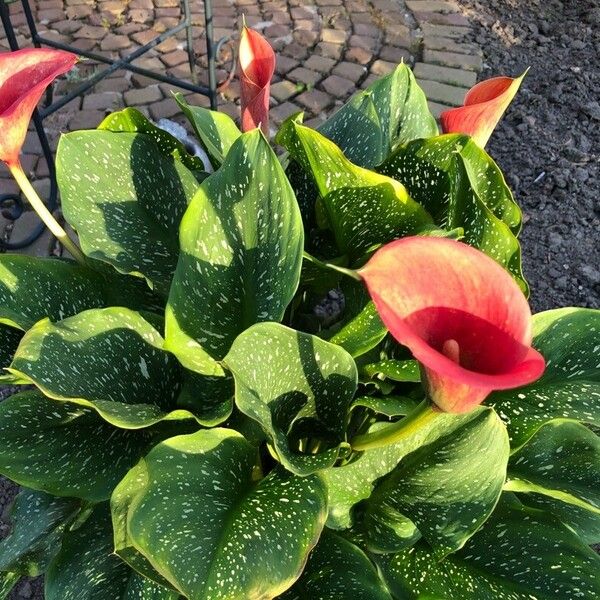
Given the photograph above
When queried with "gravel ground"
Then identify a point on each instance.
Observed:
(547, 145)
(549, 140)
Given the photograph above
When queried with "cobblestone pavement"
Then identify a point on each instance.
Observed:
(326, 50)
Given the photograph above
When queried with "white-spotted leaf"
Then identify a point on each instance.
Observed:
(568, 338)
(295, 385)
(241, 251)
(193, 510)
(519, 554)
(125, 199)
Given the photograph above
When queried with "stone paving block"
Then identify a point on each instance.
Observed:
(306, 38)
(283, 111)
(349, 70)
(330, 50)
(450, 31)
(115, 42)
(360, 41)
(442, 92)
(449, 75)
(382, 67)
(285, 64)
(319, 63)
(102, 101)
(23, 226)
(367, 30)
(86, 119)
(338, 86)
(442, 6)
(359, 55)
(165, 109)
(144, 95)
(437, 109)
(395, 54)
(452, 59)
(334, 36)
(305, 76)
(172, 59)
(314, 100)
(437, 18)
(90, 32)
(450, 45)
(283, 90)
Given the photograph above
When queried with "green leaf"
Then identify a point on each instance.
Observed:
(396, 370)
(125, 198)
(363, 208)
(38, 523)
(449, 487)
(131, 120)
(7, 582)
(570, 386)
(295, 385)
(391, 111)
(390, 406)
(215, 130)
(87, 569)
(355, 481)
(362, 333)
(337, 569)
(519, 554)
(110, 360)
(192, 509)
(562, 461)
(64, 448)
(241, 251)
(462, 187)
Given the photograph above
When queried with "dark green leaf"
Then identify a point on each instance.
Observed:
(192, 509)
(38, 523)
(562, 461)
(449, 487)
(570, 386)
(461, 187)
(362, 333)
(391, 111)
(110, 360)
(241, 252)
(87, 569)
(295, 385)
(216, 131)
(363, 208)
(125, 198)
(9, 340)
(519, 554)
(390, 406)
(131, 120)
(396, 370)
(338, 570)
(64, 448)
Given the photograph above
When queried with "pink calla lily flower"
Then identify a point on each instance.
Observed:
(257, 65)
(24, 76)
(483, 107)
(460, 313)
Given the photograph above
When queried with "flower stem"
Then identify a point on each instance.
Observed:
(45, 215)
(405, 428)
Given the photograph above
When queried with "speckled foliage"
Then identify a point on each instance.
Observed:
(192, 399)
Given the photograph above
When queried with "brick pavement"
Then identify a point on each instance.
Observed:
(327, 49)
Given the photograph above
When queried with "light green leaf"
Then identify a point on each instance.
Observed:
(241, 251)
(391, 111)
(38, 523)
(461, 187)
(87, 569)
(449, 487)
(7, 582)
(110, 360)
(562, 461)
(215, 130)
(131, 120)
(64, 448)
(125, 198)
(295, 385)
(337, 569)
(570, 386)
(396, 370)
(363, 208)
(519, 554)
(362, 333)
(390, 406)
(353, 482)
(192, 509)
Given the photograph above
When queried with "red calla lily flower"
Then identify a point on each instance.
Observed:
(257, 65)
(483, 107)
(24, 75)
(460, 313)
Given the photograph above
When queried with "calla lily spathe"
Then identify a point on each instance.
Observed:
(483, 107)
(24, 76)
(257, 65)
(460, 313)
